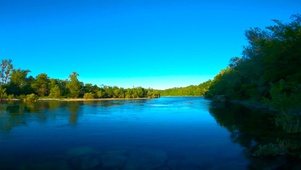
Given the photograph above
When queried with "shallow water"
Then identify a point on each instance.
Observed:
(165, 133)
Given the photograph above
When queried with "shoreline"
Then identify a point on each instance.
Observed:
(79, 99)
(245, 103)
(254, 105)
(82, 99)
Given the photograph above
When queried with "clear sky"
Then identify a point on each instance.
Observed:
(149, 43)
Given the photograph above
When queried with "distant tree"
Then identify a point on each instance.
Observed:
(192, 90)
(90, 88)
(55, 92)
(129, 93)
(119, 92)
(41, 84)
(6, 69)
(19, 82)
(89, 95)
(109, 92)
(100, 93)
(139, 92)
(63, 87)
(151, 93)
(3, 93)
(73, 85)
(56, 88)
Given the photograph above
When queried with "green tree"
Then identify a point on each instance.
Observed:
(56, 88)
(19, 82)
(100, 93)
(3, 93)
(151, 93)
(89, 95)
(41, 84)
(109, 92)
(74, 85)
(55, 92)
(192, 90)
(129, 93)
(269, 69)
(6, 69)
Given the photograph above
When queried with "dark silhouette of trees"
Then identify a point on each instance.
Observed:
(269, 69)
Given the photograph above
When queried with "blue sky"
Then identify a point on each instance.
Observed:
(155, 43)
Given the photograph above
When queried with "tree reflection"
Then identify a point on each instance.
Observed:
(10, 116)
(73, 109)
(265, 144)
(14, 113)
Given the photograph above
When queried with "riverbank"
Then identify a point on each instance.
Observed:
(79, 99)
(82, 99)
(253, 105)
(245, 103)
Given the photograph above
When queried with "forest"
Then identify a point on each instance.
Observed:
(15, 83)
(192, 90)
(268, 72)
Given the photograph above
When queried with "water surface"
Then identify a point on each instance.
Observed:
(165, 133)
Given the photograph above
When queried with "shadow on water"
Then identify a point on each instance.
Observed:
(264, 136)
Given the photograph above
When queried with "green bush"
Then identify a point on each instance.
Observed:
(289, 123)
(269, 150)
(10, 97)
(30, 98)
(89, 95)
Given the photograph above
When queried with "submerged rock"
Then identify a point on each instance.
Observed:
(146, 159)
(89, 162)
(81, 151)
(84, 158)
(114, 158)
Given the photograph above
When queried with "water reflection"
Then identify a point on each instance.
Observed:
(74, 111)
(13, 114)
(266, 145)
(166, 133)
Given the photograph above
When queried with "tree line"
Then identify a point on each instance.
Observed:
(269, 69)
(15, 83)
(192, 90)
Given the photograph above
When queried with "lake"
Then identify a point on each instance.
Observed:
(168, 133)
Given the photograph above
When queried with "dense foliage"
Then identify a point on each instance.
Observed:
(198, 90)
(17, 83)
(269, 69)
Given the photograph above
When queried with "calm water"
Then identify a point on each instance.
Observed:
(161, 134)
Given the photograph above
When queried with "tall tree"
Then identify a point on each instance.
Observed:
(55, 89)
(6, 68)
(19, 82)
(41, 84)
(73, 85)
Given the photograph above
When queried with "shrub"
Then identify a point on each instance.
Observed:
(89, 95)
(10, 97)
(269, 150)
(30, 98)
